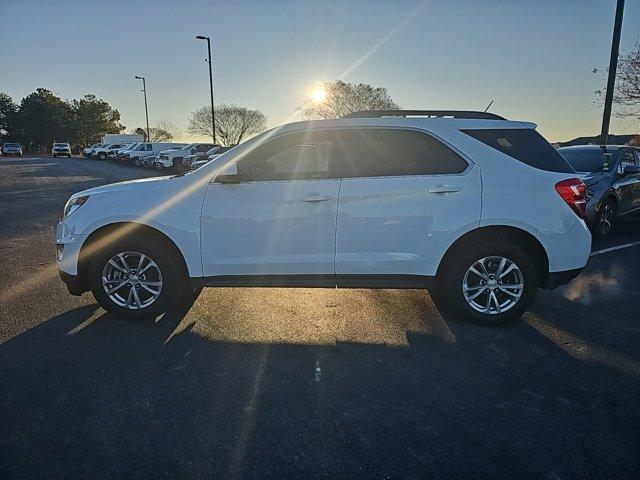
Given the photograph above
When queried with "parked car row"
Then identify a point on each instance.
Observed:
(176, 157)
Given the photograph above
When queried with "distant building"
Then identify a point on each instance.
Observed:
(631, 139)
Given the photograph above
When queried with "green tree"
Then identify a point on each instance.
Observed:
(8, 111)
(342, 98)
(92, 118)
(43, 118)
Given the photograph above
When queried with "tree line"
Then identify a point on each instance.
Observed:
(42, 118)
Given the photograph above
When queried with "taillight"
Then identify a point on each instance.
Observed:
(574, 192)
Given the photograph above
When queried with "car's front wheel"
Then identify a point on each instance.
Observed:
(137, 278)
(489, 283)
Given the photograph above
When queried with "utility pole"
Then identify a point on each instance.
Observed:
(213, 118)
(613, 67)
(146, 110)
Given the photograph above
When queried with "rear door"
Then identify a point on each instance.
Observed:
(405, 196)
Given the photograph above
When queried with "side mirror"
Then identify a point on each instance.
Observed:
(631, 170)
(229, 174)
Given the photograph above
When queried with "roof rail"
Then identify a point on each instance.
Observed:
(425, 113)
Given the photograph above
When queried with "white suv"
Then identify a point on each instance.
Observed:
(480, 210)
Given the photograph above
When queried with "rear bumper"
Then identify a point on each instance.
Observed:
(555, 279)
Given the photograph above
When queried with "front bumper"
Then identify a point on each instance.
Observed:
(68, 246)
(73, 282)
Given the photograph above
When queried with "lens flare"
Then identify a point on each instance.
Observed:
(319, 94)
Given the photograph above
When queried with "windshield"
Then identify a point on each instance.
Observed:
(60, 145)
(587, 160)
(189, 147)
(13, 145)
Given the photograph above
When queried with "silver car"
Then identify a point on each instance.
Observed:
(12, 149)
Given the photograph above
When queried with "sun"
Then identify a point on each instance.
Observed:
(318, 94)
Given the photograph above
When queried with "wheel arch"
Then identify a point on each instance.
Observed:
(521, 237)
(609, 194)
(112, 232)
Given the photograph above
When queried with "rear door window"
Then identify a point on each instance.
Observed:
(383, 152)
(525, 145)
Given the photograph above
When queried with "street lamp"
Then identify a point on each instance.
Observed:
(213, 121)
(146, 110)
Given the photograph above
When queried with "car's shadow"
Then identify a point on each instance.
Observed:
(88, 395)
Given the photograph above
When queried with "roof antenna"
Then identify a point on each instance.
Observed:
(489, 106)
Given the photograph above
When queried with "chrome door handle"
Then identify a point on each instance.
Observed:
(444, 189)
(316, 198)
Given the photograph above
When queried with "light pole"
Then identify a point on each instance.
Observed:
(613, 66)
(213, 118)
(146, 110)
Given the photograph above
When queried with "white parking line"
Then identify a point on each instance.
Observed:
(612, 249)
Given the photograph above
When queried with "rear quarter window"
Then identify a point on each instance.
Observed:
(525, 145)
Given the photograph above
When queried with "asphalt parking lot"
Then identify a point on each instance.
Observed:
(306, 383)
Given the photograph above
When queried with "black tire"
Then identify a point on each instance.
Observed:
(605, 219)
(174, 278)
(448, 291)
(102, 156)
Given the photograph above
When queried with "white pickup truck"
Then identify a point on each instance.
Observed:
(173, 158)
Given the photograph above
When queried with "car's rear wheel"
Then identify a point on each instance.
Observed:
(489, 283)
(605, 219)
(137, 278)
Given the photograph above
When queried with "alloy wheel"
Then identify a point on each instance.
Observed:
(606, 219)
(132, 280)
(493, 285)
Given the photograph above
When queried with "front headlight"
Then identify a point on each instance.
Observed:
(73, 204)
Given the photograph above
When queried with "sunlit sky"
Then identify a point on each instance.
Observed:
(535, 58)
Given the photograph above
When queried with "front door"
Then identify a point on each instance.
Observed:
(627, 185)
(280, 218)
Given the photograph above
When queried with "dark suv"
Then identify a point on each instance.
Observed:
(612, 176)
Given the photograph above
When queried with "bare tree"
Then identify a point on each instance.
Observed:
(233, 123)
(169, 128)
(626, 96)
(163, 131)
(342, 98)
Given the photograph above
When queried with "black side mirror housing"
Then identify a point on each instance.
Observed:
(631, 170)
